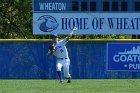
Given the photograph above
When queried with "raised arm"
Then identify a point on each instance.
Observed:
(70, 35)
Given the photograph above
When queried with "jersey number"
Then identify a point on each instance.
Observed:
(61, 50)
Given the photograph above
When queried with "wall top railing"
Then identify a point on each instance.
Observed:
(73, 40)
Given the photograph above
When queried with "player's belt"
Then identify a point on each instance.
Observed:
(62, 58)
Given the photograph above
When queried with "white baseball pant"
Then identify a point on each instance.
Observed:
(65, 63)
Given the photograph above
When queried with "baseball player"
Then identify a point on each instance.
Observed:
(59, 50)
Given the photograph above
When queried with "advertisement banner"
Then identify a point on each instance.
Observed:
(87, 23)
(123, 56)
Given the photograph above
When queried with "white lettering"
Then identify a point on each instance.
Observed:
(130, 59)
(123, 58)
(139, 58)
(135, 57)
(126, 58)
(116, 58)
(52, 6)
(134, 66)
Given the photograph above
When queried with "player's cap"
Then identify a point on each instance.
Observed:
(55, 36)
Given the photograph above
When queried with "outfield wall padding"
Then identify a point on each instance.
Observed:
(28, 60)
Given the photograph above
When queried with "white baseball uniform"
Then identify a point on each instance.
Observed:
(61, 54)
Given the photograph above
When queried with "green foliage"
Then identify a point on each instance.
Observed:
(16, 17)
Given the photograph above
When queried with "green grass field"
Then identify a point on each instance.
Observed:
(77, 86)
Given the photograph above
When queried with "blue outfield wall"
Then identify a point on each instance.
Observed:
(28, 60)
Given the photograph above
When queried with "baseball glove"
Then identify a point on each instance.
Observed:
(51, 47)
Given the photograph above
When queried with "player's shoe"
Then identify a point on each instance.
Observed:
(61, 82)
(69, 80)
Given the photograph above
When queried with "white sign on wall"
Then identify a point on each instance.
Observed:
(87, 23)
